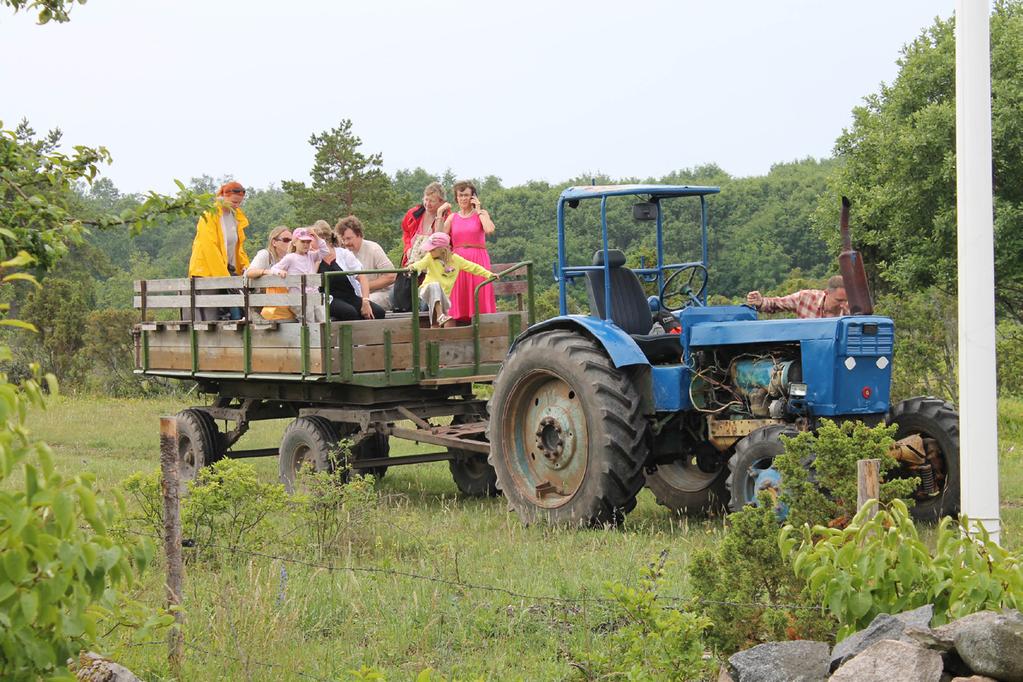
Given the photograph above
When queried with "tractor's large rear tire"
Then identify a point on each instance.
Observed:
(754, 455)
(684, 488)
(938, 423)
(568, 439)
(199, 442)
(306, 441)
(471, 471)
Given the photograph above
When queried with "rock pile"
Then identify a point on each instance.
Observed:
(977, 648)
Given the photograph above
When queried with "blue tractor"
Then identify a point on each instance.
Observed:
(688, 399)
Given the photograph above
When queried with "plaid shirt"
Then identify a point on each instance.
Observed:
(808, 303)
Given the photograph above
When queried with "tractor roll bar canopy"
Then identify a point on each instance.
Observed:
(572, 196)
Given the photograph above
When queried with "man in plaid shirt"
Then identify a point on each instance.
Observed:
(808, 303)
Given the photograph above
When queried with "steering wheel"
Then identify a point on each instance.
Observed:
(679, 288)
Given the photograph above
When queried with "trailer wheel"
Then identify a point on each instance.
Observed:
(938, 423)
(373, 446)
(199, 442)
(683, 487)
(471, 471)
(751, 465)
(306, 441)
(568, 439)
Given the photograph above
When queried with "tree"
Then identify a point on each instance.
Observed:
(49, 10)
(345, 181)
(898, 165)
(41, 212)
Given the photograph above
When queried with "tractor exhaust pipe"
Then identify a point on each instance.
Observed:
(850, 264)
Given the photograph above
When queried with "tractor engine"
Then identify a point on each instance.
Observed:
(747, 384)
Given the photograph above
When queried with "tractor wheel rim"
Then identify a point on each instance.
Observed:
(549, 436)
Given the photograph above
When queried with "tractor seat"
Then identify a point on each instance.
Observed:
(629, 308)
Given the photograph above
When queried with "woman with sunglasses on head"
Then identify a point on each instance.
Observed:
(218, 248)
(277, 247)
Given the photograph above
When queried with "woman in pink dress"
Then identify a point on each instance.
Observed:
(468, 229)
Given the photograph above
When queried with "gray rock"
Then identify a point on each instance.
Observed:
(92, 667)
(891, 660)
(991, 643)
(929, 639)
(974, 678)
(799, 661)
(884, 626)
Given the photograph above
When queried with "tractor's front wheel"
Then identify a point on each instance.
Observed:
(752, 465)
(685, 488)
(937, 424)
(568, 438)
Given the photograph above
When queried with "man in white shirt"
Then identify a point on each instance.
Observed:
(372, 257)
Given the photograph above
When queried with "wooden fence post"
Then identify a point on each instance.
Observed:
(868, 482)
(172, 537)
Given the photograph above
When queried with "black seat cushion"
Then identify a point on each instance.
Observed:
(629, 308)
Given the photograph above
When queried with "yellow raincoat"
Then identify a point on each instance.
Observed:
(209, 252)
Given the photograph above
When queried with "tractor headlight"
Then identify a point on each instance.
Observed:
(797, 390)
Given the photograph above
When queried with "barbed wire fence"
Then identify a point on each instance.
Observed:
(173, 542)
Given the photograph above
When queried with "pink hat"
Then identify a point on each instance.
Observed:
(302, 234)
(437, 240)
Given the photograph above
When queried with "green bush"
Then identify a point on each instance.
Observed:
(880, 565)
(62, 571)
(926, 343)
(228, 508)
(1009, 349)
(651, 640)
(746, 587)
(818, 471)
(335, 508)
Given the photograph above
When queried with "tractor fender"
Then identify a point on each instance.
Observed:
(619, 346)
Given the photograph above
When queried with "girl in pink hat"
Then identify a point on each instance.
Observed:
(442, 267)
(303, 260)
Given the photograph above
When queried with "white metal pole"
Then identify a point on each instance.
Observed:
(978, 404)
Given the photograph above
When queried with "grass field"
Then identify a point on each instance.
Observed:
(476, 606)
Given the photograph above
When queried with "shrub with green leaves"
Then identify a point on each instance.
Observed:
(62, 572)
(747, 589)
(652, 640)
(880, 565)
(335, 506)
(145, 504)
(818, 471)
(228, 508)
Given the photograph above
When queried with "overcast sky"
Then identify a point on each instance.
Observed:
(530, 90)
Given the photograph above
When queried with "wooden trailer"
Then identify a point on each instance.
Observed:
(365, 380)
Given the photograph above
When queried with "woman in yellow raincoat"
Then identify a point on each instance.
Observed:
(218, 248)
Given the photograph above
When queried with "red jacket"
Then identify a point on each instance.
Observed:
(410, 225)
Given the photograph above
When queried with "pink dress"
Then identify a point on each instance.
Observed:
(467, 240)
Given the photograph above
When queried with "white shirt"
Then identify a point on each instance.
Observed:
(347, 261)
(229, 224)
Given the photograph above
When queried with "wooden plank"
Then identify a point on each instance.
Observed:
(219, 300)
(285, 335)
(371, 358)
(370, 332)
(155, 286)
(264, 360)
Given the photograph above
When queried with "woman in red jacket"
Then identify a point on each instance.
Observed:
(423, 220)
